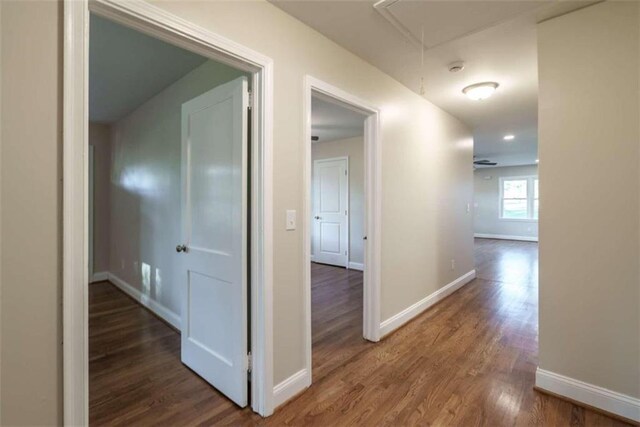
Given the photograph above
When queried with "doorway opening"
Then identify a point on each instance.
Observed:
(181, 136)
(337, 234)
(340, 225)
(169, 168)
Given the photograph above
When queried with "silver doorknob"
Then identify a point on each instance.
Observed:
(181, 248)
(317, 217)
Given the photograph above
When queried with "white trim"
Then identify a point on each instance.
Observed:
(91, 208)
(292, 386)
(506, 237)
(100, 276)
(75, 268)
(163, 312)
(145, 17)
(373, 208)
(356, 266)
(589, 394)
(397, 320)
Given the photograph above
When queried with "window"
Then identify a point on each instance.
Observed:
(519, 198)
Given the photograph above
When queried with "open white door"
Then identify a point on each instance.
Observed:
(331, 218)
(214, 249)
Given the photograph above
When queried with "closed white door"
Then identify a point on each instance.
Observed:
(331, 214)
(214, 246)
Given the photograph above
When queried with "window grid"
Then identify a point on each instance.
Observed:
(519, 198)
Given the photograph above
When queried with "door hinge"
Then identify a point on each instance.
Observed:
(345, 173)
(249, 362)
(250, 100)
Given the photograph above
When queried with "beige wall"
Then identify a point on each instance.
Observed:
(426, 171)
(354, 149)
(31, 126)
(487, 203)
(99, 138)
(146, 187)
(590, 184)
(426, 167)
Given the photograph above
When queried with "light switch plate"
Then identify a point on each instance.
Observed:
(291, 219)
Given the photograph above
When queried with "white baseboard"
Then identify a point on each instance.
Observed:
(394, 322)
(291, 387)
(356, 266)
(159, 309)
(99, 276)
(506, 237)
(589, 394)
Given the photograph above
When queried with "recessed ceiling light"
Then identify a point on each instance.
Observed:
(480, 91)
(537, 161)
(508, 137)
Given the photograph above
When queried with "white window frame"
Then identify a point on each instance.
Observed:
(530, 197)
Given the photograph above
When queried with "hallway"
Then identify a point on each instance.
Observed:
(470, 360)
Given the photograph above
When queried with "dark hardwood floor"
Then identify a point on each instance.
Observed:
(336, 318)
(470, 360)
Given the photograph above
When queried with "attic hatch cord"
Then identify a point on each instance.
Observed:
(422, 90)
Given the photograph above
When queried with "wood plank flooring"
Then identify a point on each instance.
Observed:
(469, 360)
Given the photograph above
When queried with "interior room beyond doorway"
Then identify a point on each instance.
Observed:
(337, 235)
(170, 213)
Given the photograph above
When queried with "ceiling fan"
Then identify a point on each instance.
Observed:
(484, 162)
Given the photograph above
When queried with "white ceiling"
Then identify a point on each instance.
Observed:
(331, 122)
(495, 39)
(127, 68)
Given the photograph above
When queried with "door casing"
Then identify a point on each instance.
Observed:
(156, 22)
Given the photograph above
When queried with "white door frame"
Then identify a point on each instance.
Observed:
(158, 23)
(314, 237)
(92, 210)
(373, 207)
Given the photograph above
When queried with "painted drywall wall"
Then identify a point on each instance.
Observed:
(146, 187)
(487, 203)
(354, 149)
(99, 138)
(589, 151)
(424, 219)
(31, 191)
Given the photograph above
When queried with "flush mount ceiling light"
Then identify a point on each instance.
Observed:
(480, 91)
(508, 137)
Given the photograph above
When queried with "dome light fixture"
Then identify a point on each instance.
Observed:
(480, 91)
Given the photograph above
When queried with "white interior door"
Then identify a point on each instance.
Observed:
(214, 249)
(331, 214)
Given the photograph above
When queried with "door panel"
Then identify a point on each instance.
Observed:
(214, 214)
(331, 219)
